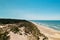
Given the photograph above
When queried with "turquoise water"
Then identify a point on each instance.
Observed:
(55, 24)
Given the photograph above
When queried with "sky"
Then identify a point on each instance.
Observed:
(30, 9)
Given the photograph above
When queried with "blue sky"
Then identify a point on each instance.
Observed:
(30, 9)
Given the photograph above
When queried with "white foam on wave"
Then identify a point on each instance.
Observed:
(55, 26)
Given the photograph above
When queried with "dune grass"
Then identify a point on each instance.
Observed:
(30, 28)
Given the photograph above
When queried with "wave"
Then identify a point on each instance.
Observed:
(56, 27)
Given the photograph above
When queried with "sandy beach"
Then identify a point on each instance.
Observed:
(49, 32)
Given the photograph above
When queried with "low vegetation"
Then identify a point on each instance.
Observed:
(14, 26)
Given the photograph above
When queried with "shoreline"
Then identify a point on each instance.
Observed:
(51, 33)
(44, 26)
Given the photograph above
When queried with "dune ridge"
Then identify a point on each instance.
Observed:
(11, 29)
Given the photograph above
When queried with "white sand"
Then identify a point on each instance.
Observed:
(17, 37)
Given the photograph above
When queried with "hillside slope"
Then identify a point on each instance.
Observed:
(14, 29)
